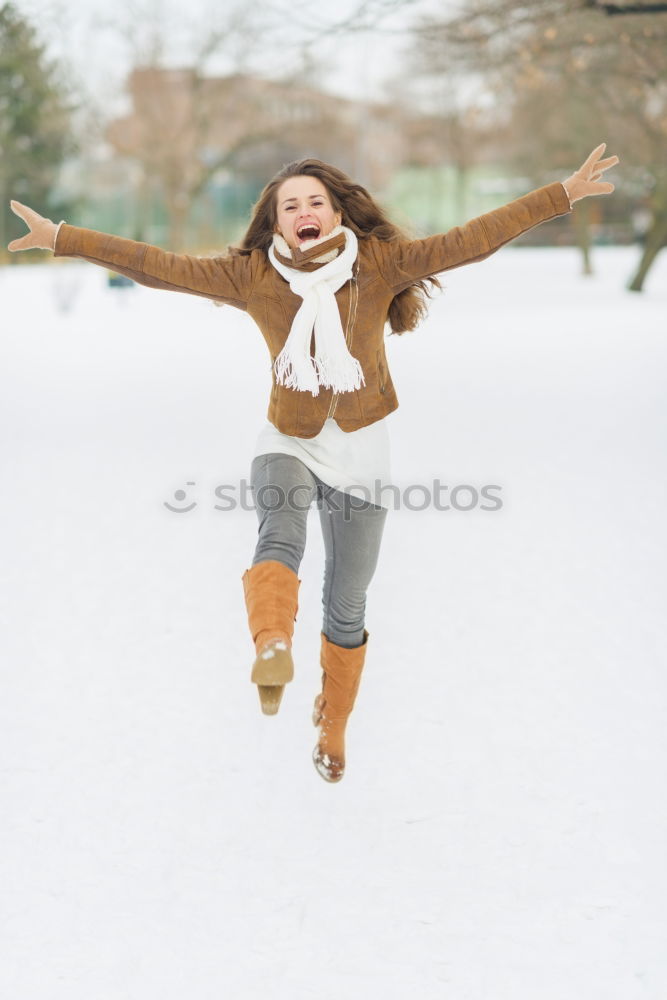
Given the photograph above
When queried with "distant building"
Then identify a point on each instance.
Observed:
(253, 126)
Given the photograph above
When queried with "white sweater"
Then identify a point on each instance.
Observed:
(358, 462)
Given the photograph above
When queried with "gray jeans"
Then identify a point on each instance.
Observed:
(284, 489)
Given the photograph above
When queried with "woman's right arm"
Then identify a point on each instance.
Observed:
(226, 279)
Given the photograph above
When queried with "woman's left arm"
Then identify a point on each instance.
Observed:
(403, 262)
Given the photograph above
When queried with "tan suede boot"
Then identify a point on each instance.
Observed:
(340, 682)
(271, 594)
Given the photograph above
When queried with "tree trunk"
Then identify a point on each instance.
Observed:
(656, 235)
(582, 226)
(656, 238)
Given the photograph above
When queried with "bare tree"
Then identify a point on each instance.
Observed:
(175, 111)
(583, 69)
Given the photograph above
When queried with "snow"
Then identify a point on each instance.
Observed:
(499, 832)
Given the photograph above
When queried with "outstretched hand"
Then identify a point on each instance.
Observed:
(42, 235)
(586, 180)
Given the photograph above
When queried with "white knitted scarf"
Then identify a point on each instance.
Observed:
(332, 366)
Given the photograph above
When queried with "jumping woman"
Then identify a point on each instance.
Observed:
(321, 270)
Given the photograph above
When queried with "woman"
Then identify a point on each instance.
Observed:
(320, 270)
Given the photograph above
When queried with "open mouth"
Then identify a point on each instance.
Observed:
(309, 231)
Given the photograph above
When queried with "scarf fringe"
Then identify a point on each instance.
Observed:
(343, 374)
(296, 373)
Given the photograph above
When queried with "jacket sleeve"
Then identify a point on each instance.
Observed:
(402, 262)
(227, 279)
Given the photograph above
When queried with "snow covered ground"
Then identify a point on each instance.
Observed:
(500, 833)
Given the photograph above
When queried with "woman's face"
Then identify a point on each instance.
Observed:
(304, 210)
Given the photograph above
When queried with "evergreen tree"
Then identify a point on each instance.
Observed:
(35, 134)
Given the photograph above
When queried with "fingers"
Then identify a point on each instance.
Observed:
(22, 244)
(599, 170)
(598, 188)
(592, 169)
(29, 215)
(19, 209)
(592, 159)
(41, 229)
(587, 179)
(606, 164)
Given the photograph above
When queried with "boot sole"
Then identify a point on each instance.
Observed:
(270, 696)
(270, 674)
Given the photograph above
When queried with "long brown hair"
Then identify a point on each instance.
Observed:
(360, 213)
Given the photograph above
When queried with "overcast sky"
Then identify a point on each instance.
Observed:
(82, 33)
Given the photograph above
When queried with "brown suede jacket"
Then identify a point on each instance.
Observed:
(382, 270)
